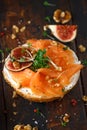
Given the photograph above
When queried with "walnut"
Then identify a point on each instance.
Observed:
(66, 118)
(60, 16)
(22, 29)
(25, 127)
(84, 98)
(15, 29)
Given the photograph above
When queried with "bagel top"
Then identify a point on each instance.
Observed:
(46, 78)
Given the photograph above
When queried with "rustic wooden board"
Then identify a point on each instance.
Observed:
(19, 110)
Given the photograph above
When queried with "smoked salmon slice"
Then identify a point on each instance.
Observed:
(48, 83)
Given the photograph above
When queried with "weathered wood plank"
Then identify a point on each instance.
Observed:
(80, 18)
(20, 110)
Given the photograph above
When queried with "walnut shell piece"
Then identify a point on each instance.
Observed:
(60, 16)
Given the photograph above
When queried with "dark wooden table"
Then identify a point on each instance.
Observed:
(32, 14)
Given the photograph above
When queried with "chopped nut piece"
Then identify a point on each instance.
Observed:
(59, 68)
(14, 104)
(35, 128)
(16, 64)
(29, 22)
(14, 94)
(22, 29)
(61, 16)
(15, 29)
(82, 48)
(15, 113)
(22, 127)
(57, 85)
(13, 36)
(84, 98)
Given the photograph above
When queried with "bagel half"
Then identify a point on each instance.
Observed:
(44, 94)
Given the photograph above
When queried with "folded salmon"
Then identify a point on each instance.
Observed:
(48, 71)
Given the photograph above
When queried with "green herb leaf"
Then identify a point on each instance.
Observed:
(46, 3)
(65, 48)
(23, 50)
(84, 62)
(45, 34)
(12, 59)
(8, 50)
(22, 59)
(40, 60)
(29, 44)
(2, 53)
(47, 18)
(63, 123)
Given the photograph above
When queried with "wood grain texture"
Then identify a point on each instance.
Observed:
(19, 110)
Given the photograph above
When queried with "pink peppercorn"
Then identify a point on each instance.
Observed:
(2, 34)
(73, 102)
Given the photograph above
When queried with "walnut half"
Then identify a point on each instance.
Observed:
(60, 16)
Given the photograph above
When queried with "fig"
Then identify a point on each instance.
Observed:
(64, 33)
(22, 54)
(15, 65)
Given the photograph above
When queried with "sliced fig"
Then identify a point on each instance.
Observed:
(64, 33)
(22, 54)
(16, 66)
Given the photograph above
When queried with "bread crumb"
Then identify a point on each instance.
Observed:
(13, 36)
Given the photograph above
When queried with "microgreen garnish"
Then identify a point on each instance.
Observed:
(84, 62)
(29, 44)
(37, 111)
(23, 50)
(65, 48)
(8, 50)
(47, 18)
(22, 59)
(40, 60)
(45, 34)
(63, 123)
(12, 59)
(46, 3)
(1, 52)
(63, 89)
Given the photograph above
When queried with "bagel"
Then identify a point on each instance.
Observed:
(45, 83)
